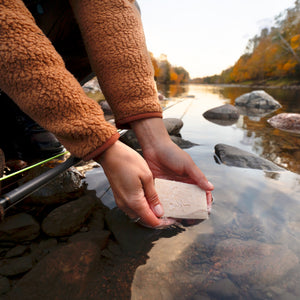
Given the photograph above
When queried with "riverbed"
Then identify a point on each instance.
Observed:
(249, 246)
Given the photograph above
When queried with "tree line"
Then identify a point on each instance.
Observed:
(165, 73)
(273, 54)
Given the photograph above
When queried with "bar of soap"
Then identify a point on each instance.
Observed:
(181, 200)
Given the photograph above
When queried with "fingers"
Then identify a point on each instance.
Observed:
(199, 178)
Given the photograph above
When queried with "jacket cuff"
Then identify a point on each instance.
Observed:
(125, 123)
(102, 148)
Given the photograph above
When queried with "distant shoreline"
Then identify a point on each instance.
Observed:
(271, 84)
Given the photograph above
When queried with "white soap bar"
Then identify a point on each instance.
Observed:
(181, 200)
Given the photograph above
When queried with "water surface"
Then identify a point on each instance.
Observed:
(249, 247)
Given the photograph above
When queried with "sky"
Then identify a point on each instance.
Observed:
(205, 37)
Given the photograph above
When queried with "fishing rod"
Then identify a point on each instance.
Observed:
(18, 194)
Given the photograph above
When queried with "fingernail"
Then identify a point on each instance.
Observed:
(158, 210)
(210, 185)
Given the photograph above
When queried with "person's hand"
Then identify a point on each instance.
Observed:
(165, 159)
(132, 184)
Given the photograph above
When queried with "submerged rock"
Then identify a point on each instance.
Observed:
(225, 115)
(254, 262)
(233, 156)
(286, 121)
(257, 99)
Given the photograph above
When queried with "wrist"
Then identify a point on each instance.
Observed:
(150, 132)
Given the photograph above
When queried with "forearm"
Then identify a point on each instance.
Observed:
(114, 37)
(34, 76)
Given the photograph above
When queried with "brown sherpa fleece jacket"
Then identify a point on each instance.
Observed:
(34, 75)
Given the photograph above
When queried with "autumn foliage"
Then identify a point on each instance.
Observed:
(273, 54)
(164, 72)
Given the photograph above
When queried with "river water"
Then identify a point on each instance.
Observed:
(249, 248)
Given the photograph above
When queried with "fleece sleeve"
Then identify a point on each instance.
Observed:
(114, 37)
(34, 76)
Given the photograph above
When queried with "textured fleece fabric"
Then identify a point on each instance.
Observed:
(34, 75)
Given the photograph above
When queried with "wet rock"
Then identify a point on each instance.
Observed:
(62, 188)
(254, 262)
(183, 144)
(225, 114)
(65, 273)
(257, 99)
(223, 289)
(68, 218)
(16, 251)
(19, 228)
(233, 156)
(286, 121)
(173, 125)
(4, 285)
(15, 266)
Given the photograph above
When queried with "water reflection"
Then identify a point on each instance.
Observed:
(249, 247)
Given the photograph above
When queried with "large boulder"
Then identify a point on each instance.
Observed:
(225, 114)
(286, 121)
(256, 103)
(257, 99)
(233, 156)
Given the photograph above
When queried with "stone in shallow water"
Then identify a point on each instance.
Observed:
(19, 228)
(286, 121)
(68, 218)
(253, 262)
(181, 200)
(224, 115)
(233, 156)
